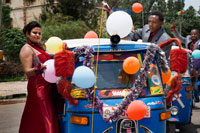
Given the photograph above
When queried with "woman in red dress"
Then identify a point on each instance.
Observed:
(39, 114)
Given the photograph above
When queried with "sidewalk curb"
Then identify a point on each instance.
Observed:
(12, 101)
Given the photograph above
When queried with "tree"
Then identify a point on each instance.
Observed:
(6, 19)
(12, 40)
(64, 27)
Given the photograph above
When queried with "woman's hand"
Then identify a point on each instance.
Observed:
(39, 69)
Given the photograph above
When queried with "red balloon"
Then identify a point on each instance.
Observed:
(137, 110)
(131, 65)
(137, 7)
(91, 34)
(132, 28)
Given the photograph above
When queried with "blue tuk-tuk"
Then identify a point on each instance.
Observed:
(181, 106)
(111, 90)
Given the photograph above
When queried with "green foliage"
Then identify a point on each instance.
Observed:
(76, 8)
(12, 40)
(63, 27)
(6, 19)
(12, 79)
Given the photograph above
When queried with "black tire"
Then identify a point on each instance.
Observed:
(171, 127)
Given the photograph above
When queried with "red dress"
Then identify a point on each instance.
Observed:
(39, 114)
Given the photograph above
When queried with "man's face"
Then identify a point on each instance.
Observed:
(194, 35)
(154, 23)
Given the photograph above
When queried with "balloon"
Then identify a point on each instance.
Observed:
(137, 110)
(83, 77)
(131, 65)
(119, 23)
(91, 34)
(166, 76)
(169, 81)
(49, 74)
(54, 45)
(196, 53)
(137, 7)
(132, 28)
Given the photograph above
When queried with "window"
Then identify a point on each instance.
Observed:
(7, 1)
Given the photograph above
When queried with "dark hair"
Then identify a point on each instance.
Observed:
(30, 26)
(159, 14)
(195, 30)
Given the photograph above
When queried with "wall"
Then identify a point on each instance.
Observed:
(23, 13)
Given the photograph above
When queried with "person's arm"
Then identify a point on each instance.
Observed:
(26, 57)
(176, 34)
(134, 35)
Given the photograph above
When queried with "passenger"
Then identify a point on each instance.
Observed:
(39, 114)
(152, 32)
(191, 41)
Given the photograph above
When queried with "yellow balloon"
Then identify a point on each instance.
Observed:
(54, 45)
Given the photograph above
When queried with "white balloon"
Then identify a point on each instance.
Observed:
(49, 74)
(119, 23)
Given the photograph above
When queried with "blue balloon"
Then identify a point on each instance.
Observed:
(196, 54)
(83, 77)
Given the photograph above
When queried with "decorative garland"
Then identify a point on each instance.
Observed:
(152, 50)
(87, 53)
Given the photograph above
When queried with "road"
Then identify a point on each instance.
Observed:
(10, 116)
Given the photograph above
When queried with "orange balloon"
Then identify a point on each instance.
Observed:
(166, 76)
(137, 7)
(91, 34)
(131, 65)
(169, 81)
(137, 110)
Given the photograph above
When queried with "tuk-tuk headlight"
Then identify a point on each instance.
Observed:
(174, 110)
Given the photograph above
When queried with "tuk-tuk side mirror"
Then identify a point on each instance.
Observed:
(114, 39)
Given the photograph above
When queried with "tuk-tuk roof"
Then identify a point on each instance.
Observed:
(72, 43)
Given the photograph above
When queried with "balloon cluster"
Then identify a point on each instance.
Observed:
(53, 45)
(119, 24)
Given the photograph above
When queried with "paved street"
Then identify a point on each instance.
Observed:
(10, 116)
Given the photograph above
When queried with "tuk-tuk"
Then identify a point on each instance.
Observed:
(113, 92)
(181, 106)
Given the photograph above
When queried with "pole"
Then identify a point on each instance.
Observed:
(1, 3)
(142, 17)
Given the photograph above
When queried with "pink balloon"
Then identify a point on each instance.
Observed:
(49, 74)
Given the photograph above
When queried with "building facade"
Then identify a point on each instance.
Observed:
(24, 12)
